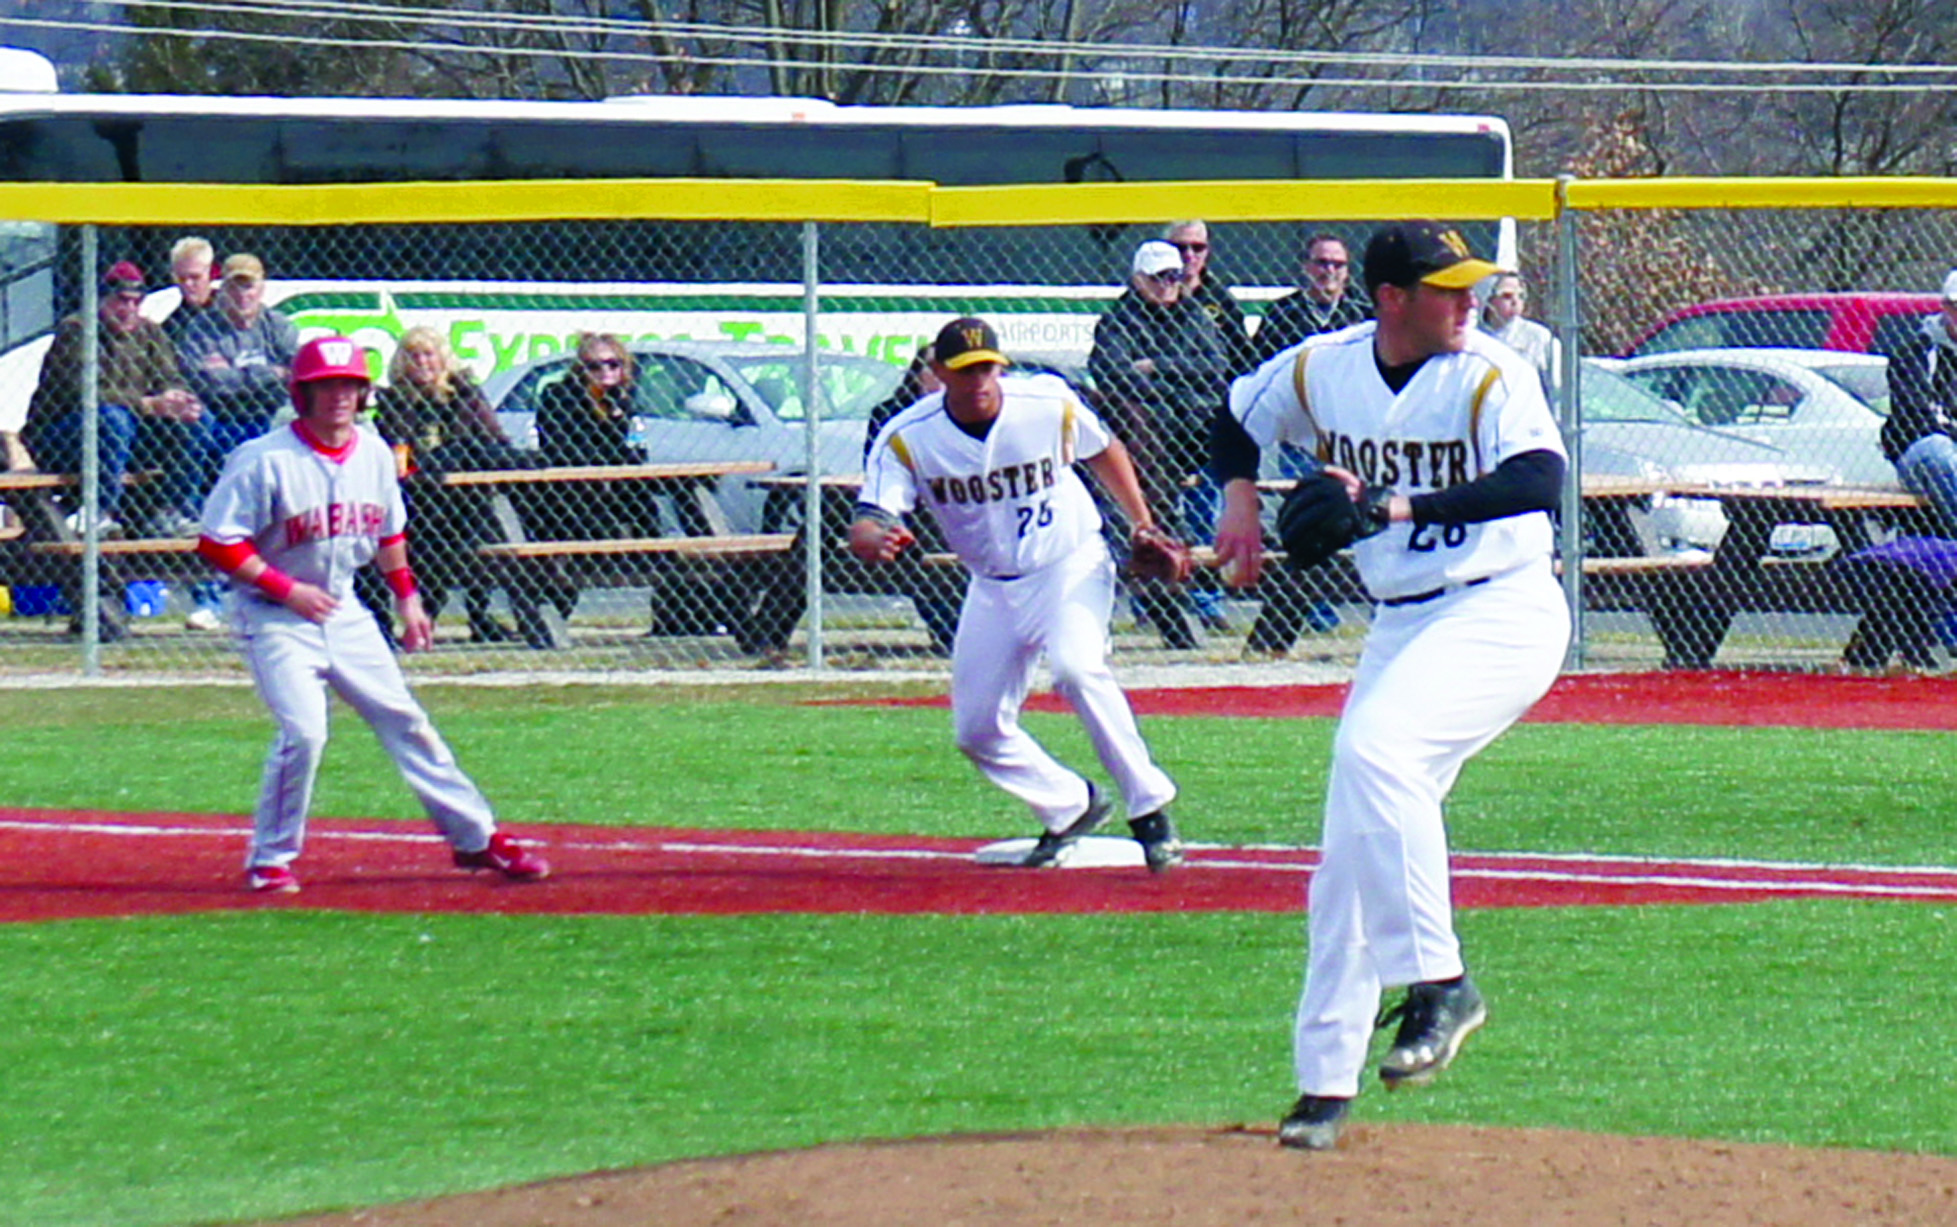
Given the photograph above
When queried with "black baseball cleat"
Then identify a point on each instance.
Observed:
(1314, 1123)
(1161, 846)
(1051, 844)
(1435, 1019)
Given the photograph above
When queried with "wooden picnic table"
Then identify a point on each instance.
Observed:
(1693, 600)
(536, 573)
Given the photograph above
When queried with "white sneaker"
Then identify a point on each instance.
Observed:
(78, 524)
(176, 524)
(203, 620)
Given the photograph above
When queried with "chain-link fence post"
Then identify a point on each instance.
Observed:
(813, 536)
(1569, 410)
(91, 466)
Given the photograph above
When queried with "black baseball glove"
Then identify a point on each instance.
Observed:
(1318, 519)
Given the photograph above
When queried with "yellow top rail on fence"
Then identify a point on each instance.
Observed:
(1693, 193)
(1244, 200)
(333, 204)
(836, 200)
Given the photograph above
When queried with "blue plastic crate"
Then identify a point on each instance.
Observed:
(39, 601)
(145, 598)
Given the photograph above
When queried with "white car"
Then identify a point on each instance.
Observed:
(1630, 432)
(1822, 410)
(726, 400)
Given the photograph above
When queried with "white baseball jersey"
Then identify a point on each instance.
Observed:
(1010, 504)
(1459, 417)
(314, 516)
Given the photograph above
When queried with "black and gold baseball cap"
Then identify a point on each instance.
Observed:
(1422, 253)
(966, 341)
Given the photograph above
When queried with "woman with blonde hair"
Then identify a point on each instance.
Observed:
(586, 418)
(438, 421)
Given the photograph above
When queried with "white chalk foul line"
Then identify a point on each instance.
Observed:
(150, 831)
(1683, 878)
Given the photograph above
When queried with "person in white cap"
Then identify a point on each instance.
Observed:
(1917, 435)
(1162, 367)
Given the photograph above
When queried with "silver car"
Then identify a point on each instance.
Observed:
(725, 400)
(1820, 409)
(1628, 431)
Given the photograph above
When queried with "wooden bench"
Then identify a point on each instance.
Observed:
(740, 545)
(44, 549)
(1692, 605)
(532, 570)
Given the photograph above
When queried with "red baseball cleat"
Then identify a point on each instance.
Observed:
(271, 880)
(507, 857)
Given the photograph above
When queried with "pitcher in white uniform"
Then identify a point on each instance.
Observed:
(1442, 435)
(993, 459)
(294, 515)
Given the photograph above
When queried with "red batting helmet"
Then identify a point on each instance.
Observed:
(328, 358)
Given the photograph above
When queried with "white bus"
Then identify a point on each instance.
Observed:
(507, 295)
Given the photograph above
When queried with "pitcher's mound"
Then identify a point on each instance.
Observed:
(1382, 1176)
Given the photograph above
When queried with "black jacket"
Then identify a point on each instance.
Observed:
(1922, 390)
(1227, 314)
(1191, 376)
(1297, 315)
(577, 426)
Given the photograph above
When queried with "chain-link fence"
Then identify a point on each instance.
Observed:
(607, 430)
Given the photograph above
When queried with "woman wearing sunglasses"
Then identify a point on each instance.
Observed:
(585, 418)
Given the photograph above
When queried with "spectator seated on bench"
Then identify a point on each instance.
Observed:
(1908, 588)
(147, 417)
(437, 421)
(585, 418)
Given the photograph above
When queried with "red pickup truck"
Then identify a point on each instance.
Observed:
(1856, 322)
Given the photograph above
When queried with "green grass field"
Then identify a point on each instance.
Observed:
(207, 1069)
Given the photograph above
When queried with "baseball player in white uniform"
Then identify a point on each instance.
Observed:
(1443, 438)
(993, 460)
(293, 515)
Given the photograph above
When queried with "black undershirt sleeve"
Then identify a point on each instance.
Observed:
(1531, 481)
(1233, 453)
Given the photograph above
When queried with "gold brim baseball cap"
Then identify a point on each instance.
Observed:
(1423, 253)
(967, 341)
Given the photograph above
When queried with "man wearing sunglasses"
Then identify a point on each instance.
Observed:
(1202, 286)
(1324, 302)
(1161, 367)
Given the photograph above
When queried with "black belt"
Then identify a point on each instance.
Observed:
(1421, 598)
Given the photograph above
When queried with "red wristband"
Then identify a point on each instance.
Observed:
(401, 582)
(274, 583)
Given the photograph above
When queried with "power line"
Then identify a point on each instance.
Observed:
(964, 44)
(1127, 69)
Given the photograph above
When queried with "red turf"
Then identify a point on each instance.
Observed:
(57, 864)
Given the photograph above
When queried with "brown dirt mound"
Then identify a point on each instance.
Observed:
(1381, 1176)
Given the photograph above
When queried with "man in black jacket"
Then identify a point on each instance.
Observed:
(1324, 303)
(1161, 365)
(1917, 437)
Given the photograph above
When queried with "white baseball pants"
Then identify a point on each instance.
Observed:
(1006, 625)
(293, 663)
(1436, 682)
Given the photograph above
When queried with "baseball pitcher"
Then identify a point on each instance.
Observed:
(1450, 464)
